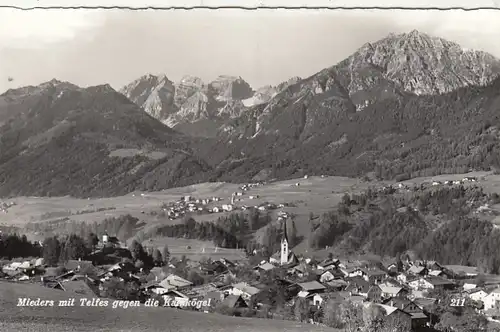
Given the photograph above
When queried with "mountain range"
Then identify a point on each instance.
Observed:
(407, 105)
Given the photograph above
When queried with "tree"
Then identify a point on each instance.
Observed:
(51, 250)
(157, 258)
(301, 309)
(166, 254)
(91, 241)
(73, 248)
(352, 316)
(137, 250)
(292, 234)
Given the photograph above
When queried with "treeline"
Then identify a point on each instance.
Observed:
(232, 231)
(14, 246)
(205, 231)
(123, 227)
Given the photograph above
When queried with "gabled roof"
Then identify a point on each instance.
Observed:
(246, 288)
(390, 289)
(173, 281)
(77, 286)
(311, 286)
(436, 281)
(416, 269)
(232, 300)
(266, 266)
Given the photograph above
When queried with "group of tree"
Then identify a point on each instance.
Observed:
(14, 245)
(205, 231)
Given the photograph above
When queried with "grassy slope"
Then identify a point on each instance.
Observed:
(58, 319)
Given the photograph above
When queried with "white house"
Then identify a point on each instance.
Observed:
(245, 290)
(326, 276)
(467, 286)
(491, 301)
(478, 295)
(227, 207)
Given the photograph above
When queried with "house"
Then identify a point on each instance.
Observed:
(417, 270)
(328, 264)
(352, 272)
(357, 285)
(78, 287)
(492, 300)
(234, 302)
(418, 318)
(177, 282)
(245, 290)
(477, 295)
(264, 267)
(402, 278)
(431, 282)
(468, 286)
(212, 268)
(375, 275)
(392, 291)
(78, 265)
(325, 276)
(393, 314)
(311, 287)
(374, 294)
(337, 284)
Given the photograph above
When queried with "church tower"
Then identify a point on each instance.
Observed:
(284, 245)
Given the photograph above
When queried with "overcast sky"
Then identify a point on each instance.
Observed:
(263, 47)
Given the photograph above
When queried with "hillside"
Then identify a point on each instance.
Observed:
(58, 139)
(373, 112)
(77, 318)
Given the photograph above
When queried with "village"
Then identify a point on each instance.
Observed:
(406, 290)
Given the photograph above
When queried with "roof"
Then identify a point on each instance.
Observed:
(438, 281)
(266, 266)
(246, 288)
(73, 264)
(232, 300)
(177, 281)
(336, 283)
(424, 302)
(77, 286)
(416, 269)
(311, 285)
(390, 289)
(418, 315)
(374, 272)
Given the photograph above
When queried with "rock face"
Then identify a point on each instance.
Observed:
(191, 101)
(424, 64)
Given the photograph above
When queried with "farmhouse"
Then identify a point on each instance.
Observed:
(243, 289)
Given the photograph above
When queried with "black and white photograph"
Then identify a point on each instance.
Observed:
(192, 166)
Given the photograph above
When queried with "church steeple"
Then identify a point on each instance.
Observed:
(284, 245)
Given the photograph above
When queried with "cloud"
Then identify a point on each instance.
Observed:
(264, 47)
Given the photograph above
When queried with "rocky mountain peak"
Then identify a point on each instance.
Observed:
(424, 64)
(230, 88)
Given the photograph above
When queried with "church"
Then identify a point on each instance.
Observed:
(285, 257)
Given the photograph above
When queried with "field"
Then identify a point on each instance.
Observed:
(106, 319)
(198, 249)
(314, 194)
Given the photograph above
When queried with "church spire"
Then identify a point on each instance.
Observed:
(285, 235)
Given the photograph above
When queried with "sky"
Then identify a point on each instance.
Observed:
(91, 47)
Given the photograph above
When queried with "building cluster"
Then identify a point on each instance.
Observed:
(4, 206)
(190, 204)
(400, 288)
